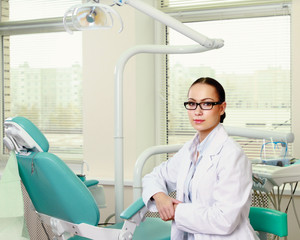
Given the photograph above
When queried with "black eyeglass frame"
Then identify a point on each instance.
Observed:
(199, 104)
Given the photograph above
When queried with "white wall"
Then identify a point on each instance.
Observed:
(102, 48)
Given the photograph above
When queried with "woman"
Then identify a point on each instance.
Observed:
(211, 175)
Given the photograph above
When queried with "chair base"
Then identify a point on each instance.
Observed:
(150, 229)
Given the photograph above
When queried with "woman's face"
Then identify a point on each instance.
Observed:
(204, 121)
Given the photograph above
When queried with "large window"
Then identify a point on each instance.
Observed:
(42, 69)
(253, 67)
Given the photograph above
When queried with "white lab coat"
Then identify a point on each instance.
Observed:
(221, 191)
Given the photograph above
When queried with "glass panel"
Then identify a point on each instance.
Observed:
(44, 84)
(210, 4)
(37, 9)
(253, 67)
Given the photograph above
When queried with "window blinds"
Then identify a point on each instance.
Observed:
(253, 67)
(213, 4)
(203, 10)
(20, 10)
(42, 75)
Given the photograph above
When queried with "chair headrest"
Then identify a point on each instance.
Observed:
(23, 135)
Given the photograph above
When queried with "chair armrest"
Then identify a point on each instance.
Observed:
(90, 183)
(269, 220)
(132, 209)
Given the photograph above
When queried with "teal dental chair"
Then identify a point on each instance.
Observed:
(62, 201)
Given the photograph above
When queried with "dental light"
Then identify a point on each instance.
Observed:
(83, 17)
(91, 16)
(98, 16)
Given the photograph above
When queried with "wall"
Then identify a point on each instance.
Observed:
(293, 227)
(102, 49)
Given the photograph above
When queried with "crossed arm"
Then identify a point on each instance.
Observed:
(165, 205)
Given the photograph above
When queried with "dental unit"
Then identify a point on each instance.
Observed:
(63, 202)
(84, 17)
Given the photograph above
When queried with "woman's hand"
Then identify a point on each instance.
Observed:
(165, 206)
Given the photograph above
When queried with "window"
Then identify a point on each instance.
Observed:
(42, 77)
(253, 67)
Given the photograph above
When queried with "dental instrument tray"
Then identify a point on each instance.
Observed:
(277, 161)
(276, 175)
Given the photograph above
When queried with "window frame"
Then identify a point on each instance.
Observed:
(11, 28)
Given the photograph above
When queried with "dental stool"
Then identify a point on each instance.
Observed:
(62, 201)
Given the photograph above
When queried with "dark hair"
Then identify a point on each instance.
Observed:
(219, 88)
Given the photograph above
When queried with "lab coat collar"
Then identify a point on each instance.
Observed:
(220, 136)
(215, 146)
(207, 160)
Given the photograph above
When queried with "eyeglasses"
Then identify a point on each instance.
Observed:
(203, 105)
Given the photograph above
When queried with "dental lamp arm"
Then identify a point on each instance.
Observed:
(83, 16)
(124, 58)
(260, 134)
(118, 107)
(173, 23)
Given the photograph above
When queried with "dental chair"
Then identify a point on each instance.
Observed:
(62, 201)
(265, 220)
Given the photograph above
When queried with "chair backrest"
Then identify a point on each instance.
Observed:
(52, 186)
(269, 221)
(55, 190)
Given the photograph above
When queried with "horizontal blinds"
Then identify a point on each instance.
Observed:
(213, 4)
(45, 85)
(255, 72)
(20, 10)
(43, 76)
(197, 10)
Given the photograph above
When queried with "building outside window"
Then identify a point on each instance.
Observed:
(253, 67)
(42, 68)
